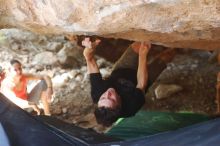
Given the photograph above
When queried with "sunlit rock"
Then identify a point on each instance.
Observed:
(174, 23)
(166, 90)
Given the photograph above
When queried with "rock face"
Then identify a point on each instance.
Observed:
(173, 23)
(195, 75)
(165, 90)
(39, 50)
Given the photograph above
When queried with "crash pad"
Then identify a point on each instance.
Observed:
(146, 123)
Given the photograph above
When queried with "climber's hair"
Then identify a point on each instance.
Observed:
(106, 116)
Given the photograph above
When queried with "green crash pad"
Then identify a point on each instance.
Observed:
(146, 123)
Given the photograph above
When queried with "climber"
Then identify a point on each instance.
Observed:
(121, 94)
(14, 87)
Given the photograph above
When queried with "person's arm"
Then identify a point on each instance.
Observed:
(47, 80)
(92, 66)
(142, 73)
(88, 53)
(49, 87)
(40, 77)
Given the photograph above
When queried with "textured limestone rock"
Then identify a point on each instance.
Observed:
(174, 23)
(70, 56)
(33, 49)
(165, 90)
(45, 58)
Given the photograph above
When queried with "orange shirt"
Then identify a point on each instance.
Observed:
(22, 93)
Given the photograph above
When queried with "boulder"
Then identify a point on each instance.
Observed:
(45, 58)
(173, 23)
(166, 90)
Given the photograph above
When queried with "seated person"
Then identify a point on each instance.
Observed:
(123, 93)
(14, 87)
